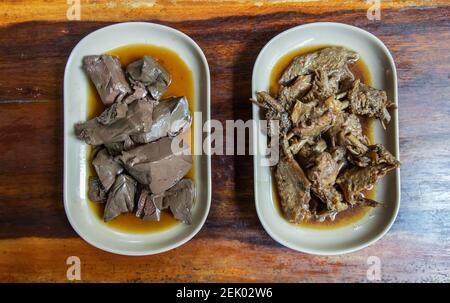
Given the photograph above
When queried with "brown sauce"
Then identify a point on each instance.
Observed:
(361, 71)
(182, 85)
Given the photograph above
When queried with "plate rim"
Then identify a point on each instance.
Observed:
(255, 111)
(206, 153)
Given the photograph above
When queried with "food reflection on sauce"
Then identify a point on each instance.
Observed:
(360, 70)
(182, 85)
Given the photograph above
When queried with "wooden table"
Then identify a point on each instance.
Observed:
(35, 236)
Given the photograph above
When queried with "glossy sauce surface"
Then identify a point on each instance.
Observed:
(181, 85)
(361, 71)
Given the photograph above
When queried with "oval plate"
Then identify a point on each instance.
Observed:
(384, 76)
(76, 204)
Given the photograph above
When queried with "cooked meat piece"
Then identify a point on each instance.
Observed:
(317, 127)
(275, 111)
(296, 145)
(120, 197)
(337, 108)
(171, 117)
(294, 190)
(108, 77)
(266, 101)
(138, 119)
(180, 199)
(330, 60)
(354, 145)
(289, 94)
(308, 152)
(116, 148)
(318, 119)
(377, 154)
(380, 155)
(323, 177)
(147, 207)
(316, 148)
(338, 153)
(369, 101)
(301, 112)
(152, 74)
(139, 92)
(107, 168)
(333, 199)
(325, 171)
(95, 149)
(336, 128)
(358, 179)
(284, 123)
(96, 192)
(334, 105)
(116, 111)
(346, 79)
(359, 160)
(157, 165)
(351, 136)
(323, 87)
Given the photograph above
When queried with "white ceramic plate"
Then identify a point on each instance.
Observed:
(76, 204)
(382, 68)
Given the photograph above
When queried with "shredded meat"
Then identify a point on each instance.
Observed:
(327, 161)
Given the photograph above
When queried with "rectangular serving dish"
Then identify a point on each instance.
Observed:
(382, 69)
(76, 203)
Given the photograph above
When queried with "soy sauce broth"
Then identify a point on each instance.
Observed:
(182, 85)
(361, 71)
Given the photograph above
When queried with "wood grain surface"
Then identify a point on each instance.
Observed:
(35, 235)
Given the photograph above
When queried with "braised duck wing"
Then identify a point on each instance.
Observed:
(351, 135)
(120, 197)
(275, 112)
(289, 94)
(381, 156)
(323, 86)
(323, 177)
(294, 190)
(108, 77)
(324, 172)
(316, 128)
(354, 181)
(330, 60)
(369, 101)
(302, 112)
(308, 153)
